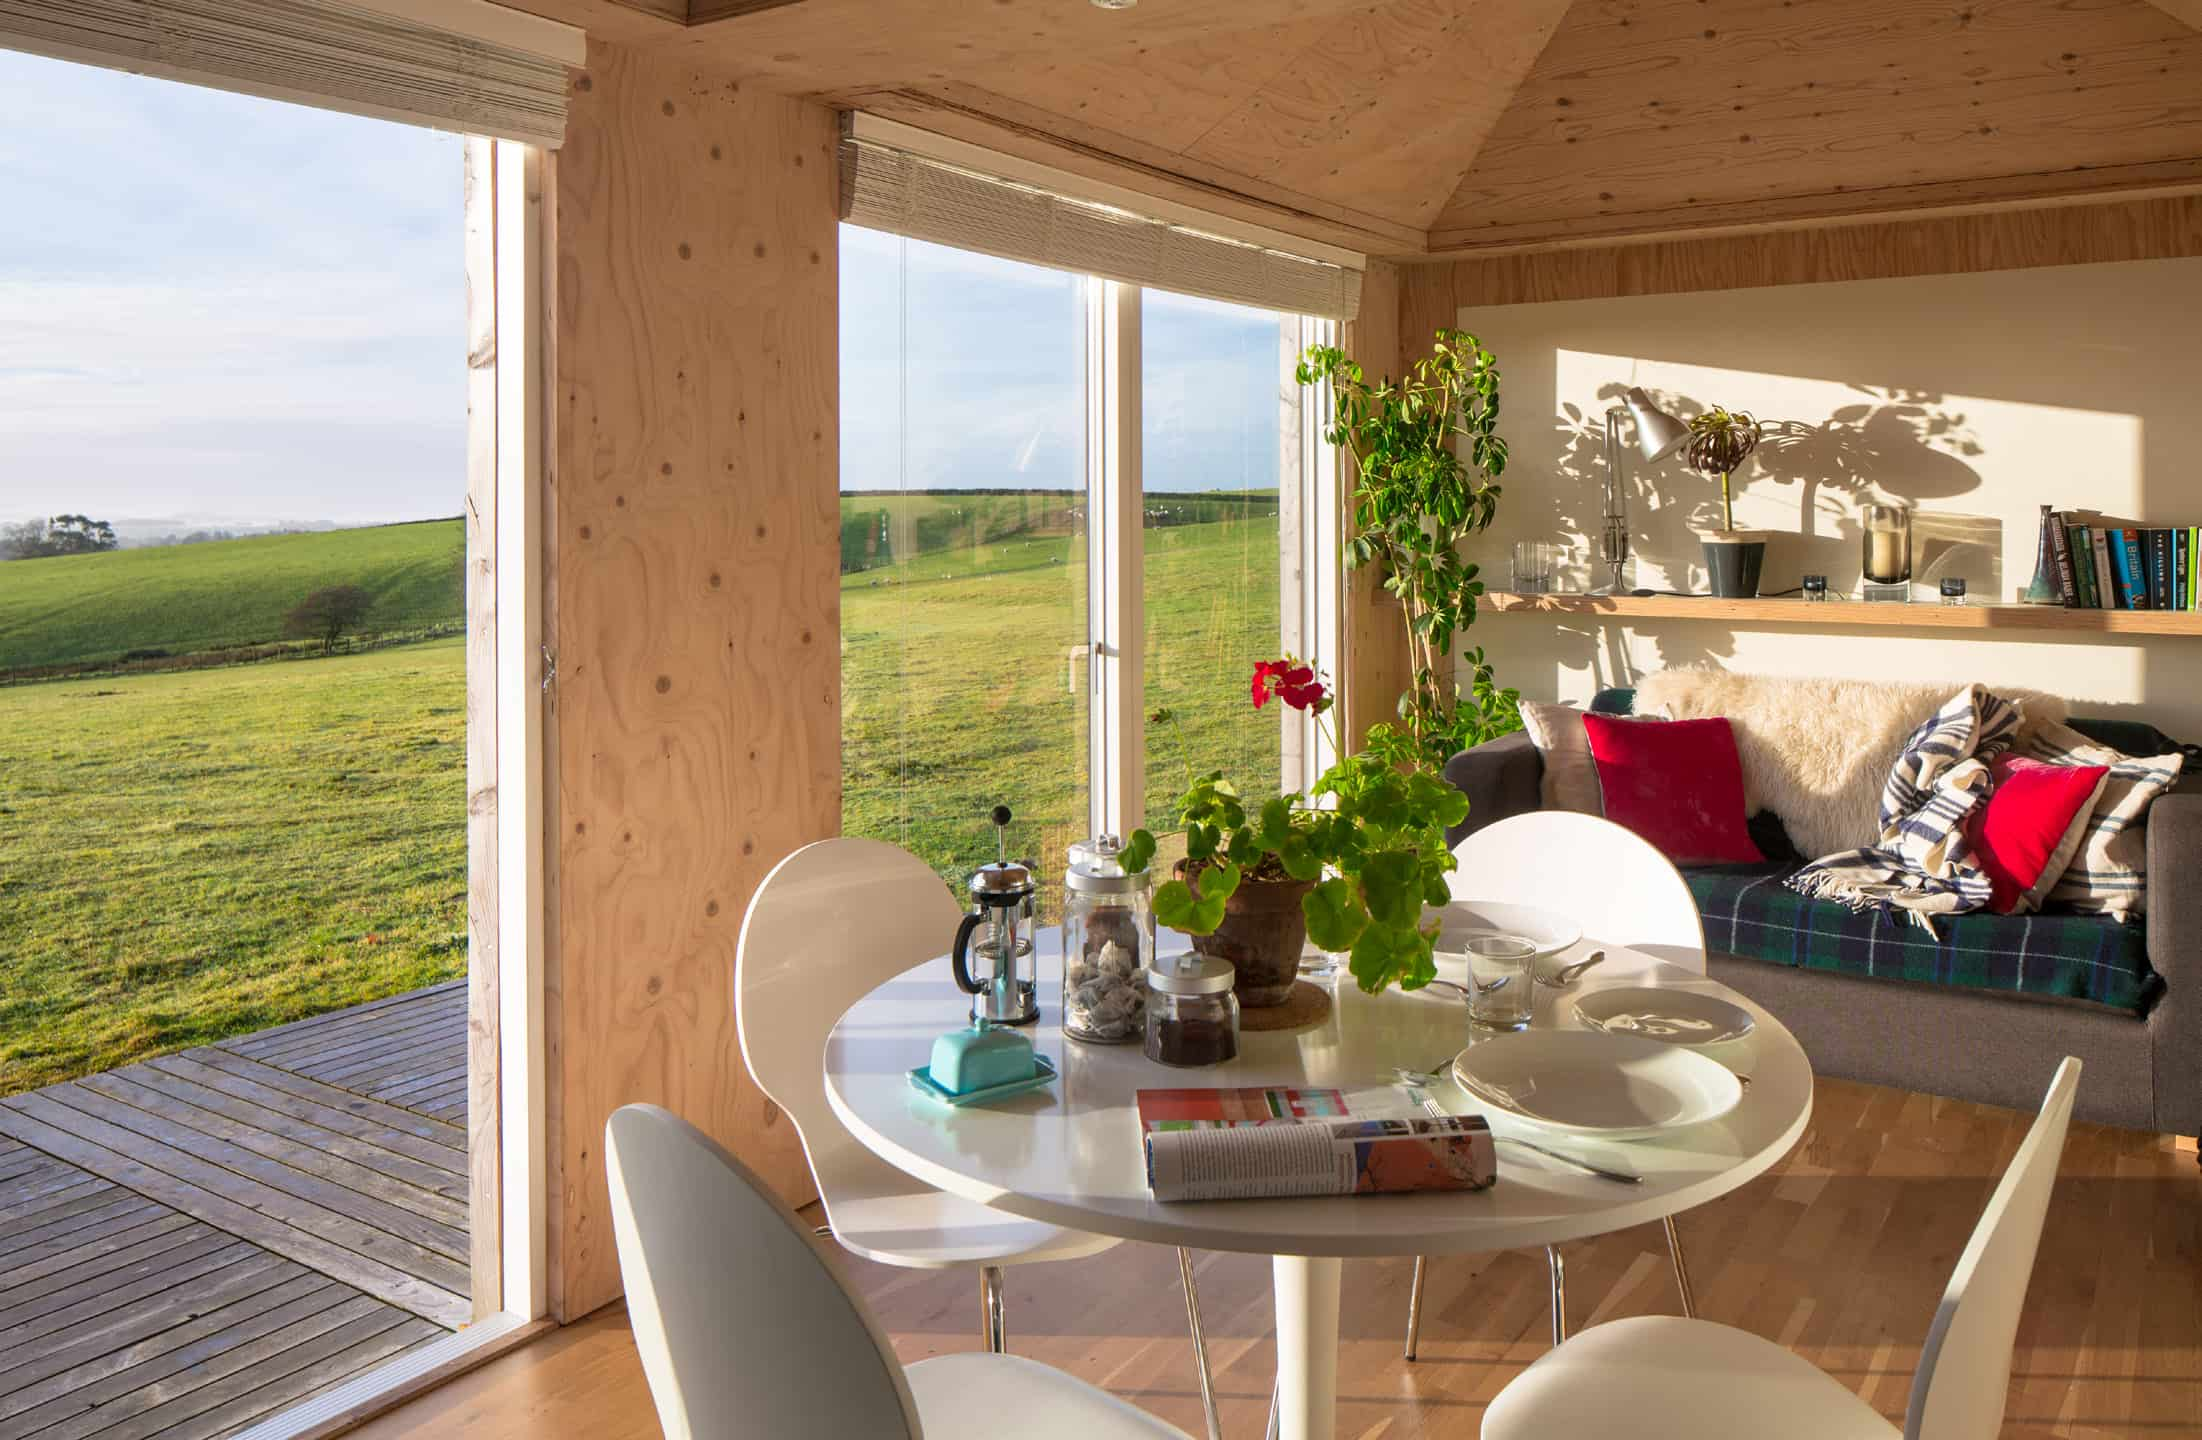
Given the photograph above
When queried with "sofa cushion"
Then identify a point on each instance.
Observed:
(1679, 786)
(1749, 912)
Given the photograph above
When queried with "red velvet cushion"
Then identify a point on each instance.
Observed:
(1677, 783)
(2030, 813)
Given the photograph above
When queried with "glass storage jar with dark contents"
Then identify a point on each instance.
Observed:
(1192, 1016)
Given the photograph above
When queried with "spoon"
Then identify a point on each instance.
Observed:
(1568, 976)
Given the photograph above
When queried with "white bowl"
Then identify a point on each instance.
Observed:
(1585, 1082)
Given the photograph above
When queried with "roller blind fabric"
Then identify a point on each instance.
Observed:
(340, 56)
(887, 188)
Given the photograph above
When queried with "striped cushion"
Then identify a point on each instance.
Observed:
(2109, 874)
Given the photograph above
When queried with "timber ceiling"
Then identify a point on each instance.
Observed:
(1457, 125)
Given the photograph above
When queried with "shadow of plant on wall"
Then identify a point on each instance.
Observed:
(1909, 445)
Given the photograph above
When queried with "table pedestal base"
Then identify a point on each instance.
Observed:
(1307, 1346)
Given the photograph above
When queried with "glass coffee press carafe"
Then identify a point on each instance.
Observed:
(1108, 943)
(1002, 919)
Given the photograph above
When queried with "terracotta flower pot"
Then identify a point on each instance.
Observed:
(1263, 932)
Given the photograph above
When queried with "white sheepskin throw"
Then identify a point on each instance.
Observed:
(1817, 752)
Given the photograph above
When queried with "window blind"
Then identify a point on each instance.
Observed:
(886, 187)
(472, 67)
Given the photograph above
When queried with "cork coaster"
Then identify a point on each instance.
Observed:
(1306, 1005)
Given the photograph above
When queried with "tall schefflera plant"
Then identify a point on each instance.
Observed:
(1428, 456)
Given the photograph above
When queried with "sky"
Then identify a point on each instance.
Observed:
(220, 309)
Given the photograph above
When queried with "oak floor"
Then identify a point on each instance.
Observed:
(1840, 1252)
(191, 1243)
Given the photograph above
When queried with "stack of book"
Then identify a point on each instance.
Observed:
(2127, 567)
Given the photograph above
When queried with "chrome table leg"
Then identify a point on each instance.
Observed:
(1200, 1343)
(1681, 1272)
(1559, 1295)
(1414, 1306)
(990, 1308)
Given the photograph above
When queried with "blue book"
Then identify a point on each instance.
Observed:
(2180, 564)
(2125, 554)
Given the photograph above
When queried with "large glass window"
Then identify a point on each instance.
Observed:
(1219, 450)
(963, 553)
(1067, 506)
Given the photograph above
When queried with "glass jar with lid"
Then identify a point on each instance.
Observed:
(1192, 1016)
(1108, 942)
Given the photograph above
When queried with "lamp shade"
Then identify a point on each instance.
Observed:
(1658, 434)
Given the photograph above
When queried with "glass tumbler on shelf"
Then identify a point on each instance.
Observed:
(1500, 993)
(1534, 562)
(1108, 943)
(1887, 558)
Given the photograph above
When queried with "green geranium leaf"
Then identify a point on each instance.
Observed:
(1391, 881)
(1177, 907)
(1200, 841)
(1139, 853)
(1299, 858)
(1335, 917)
(1383, 956)
(1276, 822)
(1244, 849)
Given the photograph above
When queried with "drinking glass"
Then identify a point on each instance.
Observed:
(1500, 995)
(1534, 562)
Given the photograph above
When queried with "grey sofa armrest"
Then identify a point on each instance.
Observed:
(1500, 777)
(2175, 950)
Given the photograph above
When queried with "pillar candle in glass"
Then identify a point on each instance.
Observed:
(1887, 559)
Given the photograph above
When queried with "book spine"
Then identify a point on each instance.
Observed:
(2194, 569)
(2159, 568)
(2106, 580)
(2060, 547)
(2179, 568)
(2083, 568)
(2127, 543)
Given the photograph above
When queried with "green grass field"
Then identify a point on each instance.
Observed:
(190, 855)
(196, 855)
(83, 609)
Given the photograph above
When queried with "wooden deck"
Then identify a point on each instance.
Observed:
(191, 1243)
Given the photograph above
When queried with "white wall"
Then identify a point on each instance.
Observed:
(1978, 398)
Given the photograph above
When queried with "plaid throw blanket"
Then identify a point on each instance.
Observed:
(1923, 864)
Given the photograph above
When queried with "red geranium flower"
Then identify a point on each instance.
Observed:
(1290, 681)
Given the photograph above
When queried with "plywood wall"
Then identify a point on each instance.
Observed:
(695, 601)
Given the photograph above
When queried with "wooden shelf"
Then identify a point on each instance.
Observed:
(1850, 614)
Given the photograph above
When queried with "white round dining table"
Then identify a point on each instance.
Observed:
(1071, 1154)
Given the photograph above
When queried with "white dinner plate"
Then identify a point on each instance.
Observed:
(1548, 930)
(1679, 1017)
(1586, 1082)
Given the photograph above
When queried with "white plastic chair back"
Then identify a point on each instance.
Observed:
(831, 922)
(742, 1326)
(1610, 880)
(1965, 1368)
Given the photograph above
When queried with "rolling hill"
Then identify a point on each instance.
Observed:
(180, 599)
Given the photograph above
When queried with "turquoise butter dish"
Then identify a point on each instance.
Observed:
(980, 1058)
(1043, 1075)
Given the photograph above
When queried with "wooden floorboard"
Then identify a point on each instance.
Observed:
(191, 1243)
(1841, 1253)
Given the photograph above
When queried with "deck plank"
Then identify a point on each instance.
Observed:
(438, 1178)
(178, 1121)
(191, 1243)
(358, 1116)
(212, 1161)
(362, 1257)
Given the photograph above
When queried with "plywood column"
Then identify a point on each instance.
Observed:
(1378, 667)
(695, 601)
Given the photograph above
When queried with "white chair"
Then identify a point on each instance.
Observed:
(831, 922)
(1657, 1376)
(1622, 891)
(744, 1329)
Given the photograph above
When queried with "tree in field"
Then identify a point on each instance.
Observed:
(62, 535)
(327, 613)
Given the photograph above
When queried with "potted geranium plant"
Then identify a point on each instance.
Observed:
(1350, 865)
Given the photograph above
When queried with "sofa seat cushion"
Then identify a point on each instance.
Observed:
(1749, 912)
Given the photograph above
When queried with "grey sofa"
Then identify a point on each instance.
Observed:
(2144, 1071)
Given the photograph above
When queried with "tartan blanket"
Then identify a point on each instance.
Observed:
(1750, 914)
(1923, 865)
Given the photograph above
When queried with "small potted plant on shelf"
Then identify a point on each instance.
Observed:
(1350, 865)
(1720, 441)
